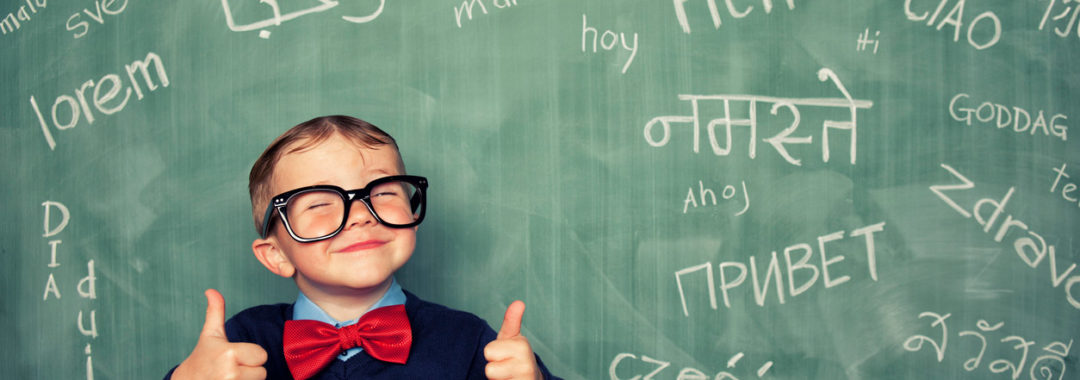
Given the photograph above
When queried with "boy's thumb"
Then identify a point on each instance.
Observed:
(215, 314)
(511, 325)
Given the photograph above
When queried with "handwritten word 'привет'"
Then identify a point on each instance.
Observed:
(777, 141)
(608, 40)
(10, 22)
(86, 287)
(772, 272)
(955, 18)
(655, 367)
(1054, 353)
(112, 85)
(1031, 248)
(1002, 116)
(101, 8)
(680, 12)
(707, 196)
(276, 18)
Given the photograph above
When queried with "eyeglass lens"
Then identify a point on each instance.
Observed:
(318, 213)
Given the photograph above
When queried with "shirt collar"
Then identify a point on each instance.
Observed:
(304, 308)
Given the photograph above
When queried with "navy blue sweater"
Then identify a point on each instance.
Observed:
(447, 344)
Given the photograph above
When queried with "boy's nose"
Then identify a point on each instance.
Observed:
(359, 215)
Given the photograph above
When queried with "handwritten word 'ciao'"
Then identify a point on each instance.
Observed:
(714, 11)
(1031, 248)
(1054, 353)
(655, 367)
(773, 274)
(104, 98)
(955, 18)
(276, 17)
(777, 141)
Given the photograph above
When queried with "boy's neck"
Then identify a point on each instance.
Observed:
(346, 304)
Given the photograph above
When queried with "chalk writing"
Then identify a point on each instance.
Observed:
(10, 22)
(778, 141)
(105, 101)
(1051, 362)
(1031, 248)
(86, 287)
(109, 7)
(706, 197)
(656, 366)
(1003, 117)
(276, 18)
(680, 11)
(608, 40)
(1074, 9)
(773, 270)
(1067, 188)
(864, 40)
(955, 19)
(467, 8)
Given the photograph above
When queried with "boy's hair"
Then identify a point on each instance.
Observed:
(304, 136)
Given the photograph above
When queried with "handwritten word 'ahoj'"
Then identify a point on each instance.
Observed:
(714, 11)
(706, 197)
(276, 17)
(655, 367)
(1051, 362)
(1004, 117)
(777, 141)
(1031, 248)
(104, 97)
(955, 18)
(773, 274)
(85, 287)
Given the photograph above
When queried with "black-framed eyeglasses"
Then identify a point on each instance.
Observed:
(319, 212)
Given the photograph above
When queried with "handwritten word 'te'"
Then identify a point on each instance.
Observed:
(101, 6)
(687, 373)
(1067, 189)
(105, 91)
(680, 12)
(1032, 249)
(608, 40)
(772, 272)
(955, 17)
(1006, 117)
(707, 194)
(10, 23)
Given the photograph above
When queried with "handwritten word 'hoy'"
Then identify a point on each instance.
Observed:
(608, 40)
(1044, 367)
(658, 366)
(773, 274)
(955, 18)
(707, 195)
(680, 11)
(778, 141)
(1031, 248)
(104, 98)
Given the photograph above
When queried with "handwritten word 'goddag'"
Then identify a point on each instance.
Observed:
(778, 141)
(772, 271)
(1004, 117)
(1031, 248)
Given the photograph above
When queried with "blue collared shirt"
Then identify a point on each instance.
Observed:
(304, 308)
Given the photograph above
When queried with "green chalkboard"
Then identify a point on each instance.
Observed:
(782, 189)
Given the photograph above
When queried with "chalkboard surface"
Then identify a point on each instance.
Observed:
(734, 189)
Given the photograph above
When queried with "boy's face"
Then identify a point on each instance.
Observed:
(364, 255)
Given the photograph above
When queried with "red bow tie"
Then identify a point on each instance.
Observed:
(383, 333)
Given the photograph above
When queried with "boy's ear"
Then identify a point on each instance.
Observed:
(272, 257)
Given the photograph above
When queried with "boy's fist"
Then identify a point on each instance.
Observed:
(509, 356)
(214, 357)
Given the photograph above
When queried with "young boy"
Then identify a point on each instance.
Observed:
(352, 320)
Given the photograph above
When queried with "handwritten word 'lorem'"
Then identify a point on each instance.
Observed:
(778, 141)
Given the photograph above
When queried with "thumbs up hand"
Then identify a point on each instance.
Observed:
(214, 357)
(510, 356)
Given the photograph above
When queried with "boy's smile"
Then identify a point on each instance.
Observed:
(358, 261)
